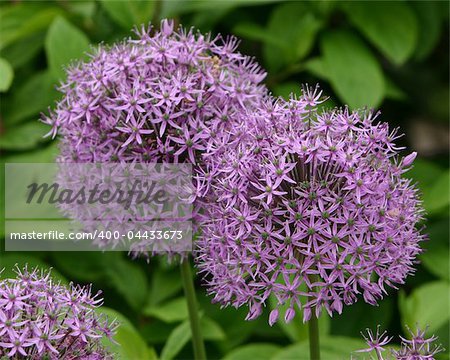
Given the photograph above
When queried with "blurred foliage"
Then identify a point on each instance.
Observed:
(392, 55)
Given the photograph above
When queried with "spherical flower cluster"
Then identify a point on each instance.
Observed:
(310, 207)
(157, 98)
(41, 319)
(418, 347)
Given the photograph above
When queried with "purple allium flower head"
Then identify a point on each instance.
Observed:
(41, 319)
(310, 208)
(418, 347)
(157, 98)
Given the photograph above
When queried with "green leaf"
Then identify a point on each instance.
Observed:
(20, 21)
(130, 345)
(353, 71)
(129, 13)
(173, 311)
(164, 285)
(23, 137)
(436, 255)
(25, 103)
(438, 197)
(64, 43)
(390, 26)
(392, 91)
(253, 351)
(295, 28)
(331, 348)
(430, 26)
(426, 306)
(178, 338)
(181, 335)
(129, 280)
(255, 32)
(6, 75)
(316, 66)
(24, 50)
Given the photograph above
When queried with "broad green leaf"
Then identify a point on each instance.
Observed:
(253, 351)
(295, 28)
(177, 340)
(178, 7)
(23, 137)
(129, 13)
(392, 91)
(331, 348)
(390, 26)
(130, 281)
(436, 255)
(430, 20)
(25, 103)
(353, 71)
(181, 335)
(20, 21)
(172, 311)
(64, 43)
(426, 306)
(255, 32)
(130, 345)
(164, 285)
(425, 173)
(317, 67)
(438, 197)
(24, 50)
(6, 75)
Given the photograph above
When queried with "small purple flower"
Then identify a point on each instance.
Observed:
(310, 207)
(41, 319)
(418, 347)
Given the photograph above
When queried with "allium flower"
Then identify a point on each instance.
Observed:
(311, 208)
(41, 319)
(157, 98)
(416, 348)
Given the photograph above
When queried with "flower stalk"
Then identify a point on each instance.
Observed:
(194, 319)
(314, 343)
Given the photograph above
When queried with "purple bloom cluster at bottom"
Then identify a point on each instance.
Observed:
(416, 348)
(41, 319)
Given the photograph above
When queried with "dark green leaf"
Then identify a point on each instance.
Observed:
(26, 102)
(390, 26)
(130, 281)
(253, 351)
(172, 311)
(438, 197)
(164, 285)
(129, 13)
(20, 21)
(430, 25)
(354, 73)
(295, 28)
(436, 255)
(23, 137)
(64, 43)
(6, 75)
(426, 306)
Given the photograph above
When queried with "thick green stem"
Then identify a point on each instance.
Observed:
(314, 346)
(194, 319)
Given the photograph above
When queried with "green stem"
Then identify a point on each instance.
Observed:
(194, 319)
(314, 346)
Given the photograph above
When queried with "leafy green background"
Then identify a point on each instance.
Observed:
(390, 55)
